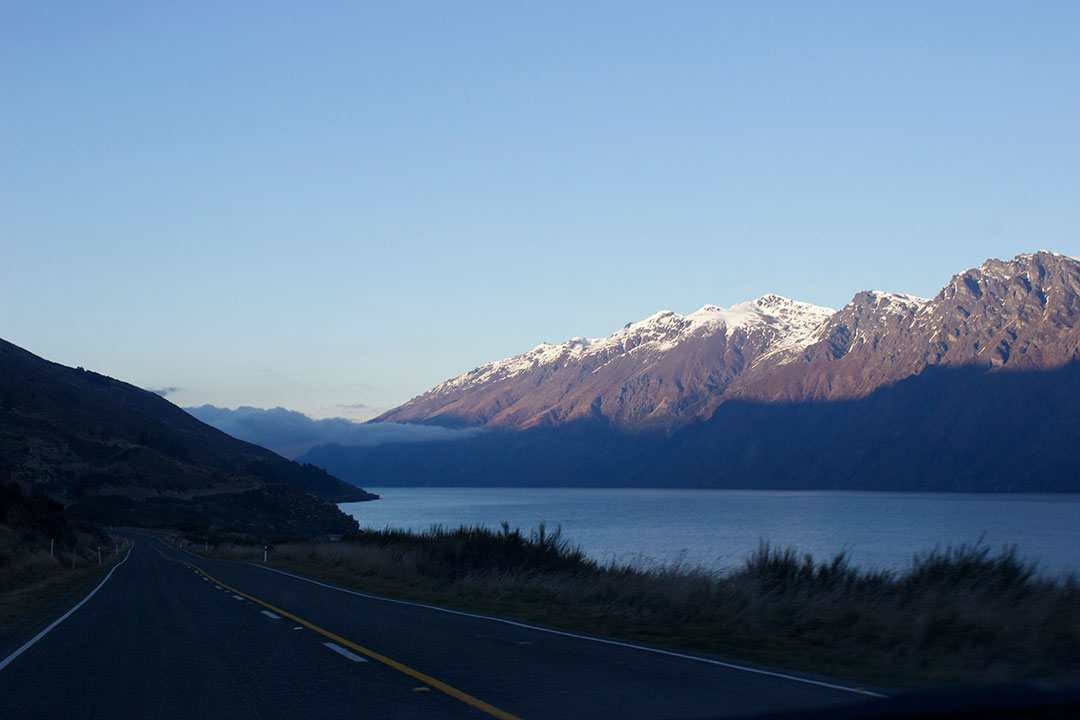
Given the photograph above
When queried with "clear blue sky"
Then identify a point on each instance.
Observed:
(325, 205)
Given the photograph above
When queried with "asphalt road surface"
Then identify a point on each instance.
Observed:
(173, 635)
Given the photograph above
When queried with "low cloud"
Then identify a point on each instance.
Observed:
(290, 433)
(164, 391)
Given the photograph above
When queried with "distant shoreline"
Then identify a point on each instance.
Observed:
(718, 528)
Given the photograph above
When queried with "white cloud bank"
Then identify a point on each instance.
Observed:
(290, 433)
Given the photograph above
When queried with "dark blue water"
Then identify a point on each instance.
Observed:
(717, 529)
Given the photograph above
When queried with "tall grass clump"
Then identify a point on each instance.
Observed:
(971, 567)
(452, 555)
(958, 614)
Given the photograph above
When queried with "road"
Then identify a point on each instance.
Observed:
(173, 635)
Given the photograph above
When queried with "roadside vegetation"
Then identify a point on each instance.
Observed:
(46, 561)
(959, 615)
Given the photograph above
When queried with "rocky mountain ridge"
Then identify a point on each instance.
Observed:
(670, 370)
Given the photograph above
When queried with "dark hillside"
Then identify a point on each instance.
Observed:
(37, 539)
(945, 430)
(81, 437)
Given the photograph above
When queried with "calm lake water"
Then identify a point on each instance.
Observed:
(717, 529)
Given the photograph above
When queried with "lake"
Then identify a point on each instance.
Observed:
(718, 529)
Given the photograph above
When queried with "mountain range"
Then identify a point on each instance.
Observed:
(114, 454)
(975, 388)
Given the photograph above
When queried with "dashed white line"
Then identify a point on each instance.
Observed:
(344, 653)
(239, 598)
(269, 614)
(218, 587)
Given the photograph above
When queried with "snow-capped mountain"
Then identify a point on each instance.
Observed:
(786, 326)
(670, 369)
(655, 372)
(976, 389)
(1022, 314)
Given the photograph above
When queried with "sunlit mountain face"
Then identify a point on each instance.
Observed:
(670, 370)
(975, 389)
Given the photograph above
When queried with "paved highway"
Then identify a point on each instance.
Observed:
(173, 635)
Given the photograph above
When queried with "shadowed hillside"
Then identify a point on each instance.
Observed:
(947, 429)
(113, 453)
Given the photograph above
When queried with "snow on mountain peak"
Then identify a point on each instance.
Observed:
(797, 323)
(715, 316)
(791, 323)
(897, 302)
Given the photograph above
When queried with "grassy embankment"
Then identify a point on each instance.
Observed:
(958, 615)
(37, 547)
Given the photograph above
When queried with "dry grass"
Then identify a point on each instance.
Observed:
(958, 615)
(36, 587)
(23, 564)
(37, 543)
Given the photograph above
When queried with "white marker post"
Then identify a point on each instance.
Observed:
(265, 548)
(52, 545)
(99, 555)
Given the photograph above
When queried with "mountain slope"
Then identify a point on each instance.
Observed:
(655, 373)
(947, 429)
(100, 445)
(1018, 315)
(976, 389)
(671, 370)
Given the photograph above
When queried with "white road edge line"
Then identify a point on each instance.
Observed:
(563, 633)
(271, 615)
(346, 653)
(7, 661)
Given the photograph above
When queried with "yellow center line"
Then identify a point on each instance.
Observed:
(426, 679)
